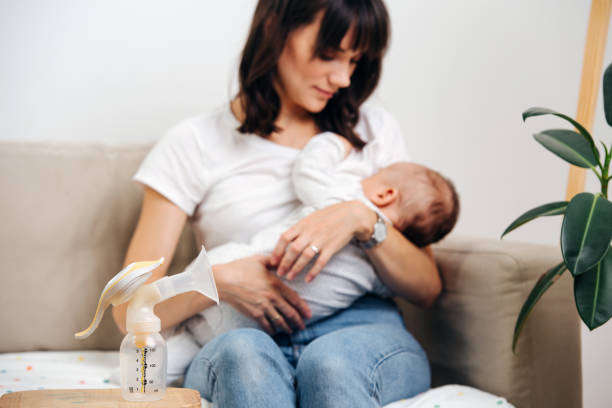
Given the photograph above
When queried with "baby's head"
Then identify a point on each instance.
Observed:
(418, 201)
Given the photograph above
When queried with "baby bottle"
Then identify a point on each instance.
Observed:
(143, 358)
(143, 354)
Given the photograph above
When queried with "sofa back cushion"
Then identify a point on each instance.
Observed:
(67, 214)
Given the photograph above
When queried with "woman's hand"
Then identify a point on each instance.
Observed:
(321, 234)
(250, 287)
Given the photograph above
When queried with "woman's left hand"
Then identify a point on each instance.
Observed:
(321, 234)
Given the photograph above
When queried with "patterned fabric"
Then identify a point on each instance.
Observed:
(453, 396)
(100, 369)
(58, 370)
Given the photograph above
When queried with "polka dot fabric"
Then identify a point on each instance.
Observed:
(100, 369)
(57, 369)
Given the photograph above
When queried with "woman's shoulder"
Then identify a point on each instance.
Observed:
(203, 138)
(376, 122)
(210, 126)
(374, 112)
(385, 142)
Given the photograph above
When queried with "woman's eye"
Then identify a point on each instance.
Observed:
(330, 55)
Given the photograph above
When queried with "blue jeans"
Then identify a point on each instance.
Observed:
(359, 357)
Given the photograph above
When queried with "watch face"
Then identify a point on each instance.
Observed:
(380, 231)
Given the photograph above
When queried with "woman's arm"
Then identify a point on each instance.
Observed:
(408, 271)
(157, 233)
(246, 284)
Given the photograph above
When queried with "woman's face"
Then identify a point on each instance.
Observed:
(306, 83)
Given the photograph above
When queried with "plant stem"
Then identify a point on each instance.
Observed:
(605, 180)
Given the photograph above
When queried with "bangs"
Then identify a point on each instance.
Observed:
(371, 29)
(274, 20)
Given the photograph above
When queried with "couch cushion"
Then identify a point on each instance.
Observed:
(67, 214)
(468, 332)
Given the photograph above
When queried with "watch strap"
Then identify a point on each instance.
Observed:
(373, 241)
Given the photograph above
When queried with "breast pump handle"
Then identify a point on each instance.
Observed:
(129, 286)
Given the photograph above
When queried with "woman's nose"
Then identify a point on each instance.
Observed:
(341, 76)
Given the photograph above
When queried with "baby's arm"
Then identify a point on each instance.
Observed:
(317, 179)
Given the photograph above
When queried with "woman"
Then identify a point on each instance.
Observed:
(307, 67)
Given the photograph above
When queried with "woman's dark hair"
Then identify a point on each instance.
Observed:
(273, 21)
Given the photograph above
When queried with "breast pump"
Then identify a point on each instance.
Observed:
(143, 354)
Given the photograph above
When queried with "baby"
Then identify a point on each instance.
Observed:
(417, 201)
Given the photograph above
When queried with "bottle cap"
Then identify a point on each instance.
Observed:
(151, 325)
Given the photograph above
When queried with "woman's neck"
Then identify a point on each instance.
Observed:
(297, 127)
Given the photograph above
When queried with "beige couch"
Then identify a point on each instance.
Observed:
(67, 213)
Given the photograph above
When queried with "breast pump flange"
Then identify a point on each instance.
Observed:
(143, 354)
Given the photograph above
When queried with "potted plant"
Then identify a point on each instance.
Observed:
(586, 231)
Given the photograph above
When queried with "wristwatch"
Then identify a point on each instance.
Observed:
(378, 236)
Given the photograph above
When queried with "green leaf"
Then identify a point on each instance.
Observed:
(536, 111)
(545, 210)
(607, 94)
(593, 293)
(541, 286)
(569, 146)
(606, 153)
(586, 232)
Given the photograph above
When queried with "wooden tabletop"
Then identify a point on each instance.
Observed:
(98, 398)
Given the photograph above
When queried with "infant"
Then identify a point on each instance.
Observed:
(417, 201)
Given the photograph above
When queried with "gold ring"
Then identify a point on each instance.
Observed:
(277, 317)
(315, 249)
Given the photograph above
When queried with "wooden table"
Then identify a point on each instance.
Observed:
(98, 398)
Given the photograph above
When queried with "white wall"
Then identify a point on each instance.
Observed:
(458, 75)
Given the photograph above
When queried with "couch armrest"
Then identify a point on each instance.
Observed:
(468, 332)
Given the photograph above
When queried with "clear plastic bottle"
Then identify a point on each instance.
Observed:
(143, 359)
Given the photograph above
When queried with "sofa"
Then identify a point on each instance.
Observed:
(67, 213)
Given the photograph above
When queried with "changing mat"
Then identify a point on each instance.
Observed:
(100, 369)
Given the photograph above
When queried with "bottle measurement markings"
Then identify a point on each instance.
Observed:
(142, 366)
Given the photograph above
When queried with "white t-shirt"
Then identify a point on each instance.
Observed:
(323, 175)
(231, 185)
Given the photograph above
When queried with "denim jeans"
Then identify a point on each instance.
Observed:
(359, 357)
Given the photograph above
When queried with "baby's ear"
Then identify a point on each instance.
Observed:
(386, 196)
